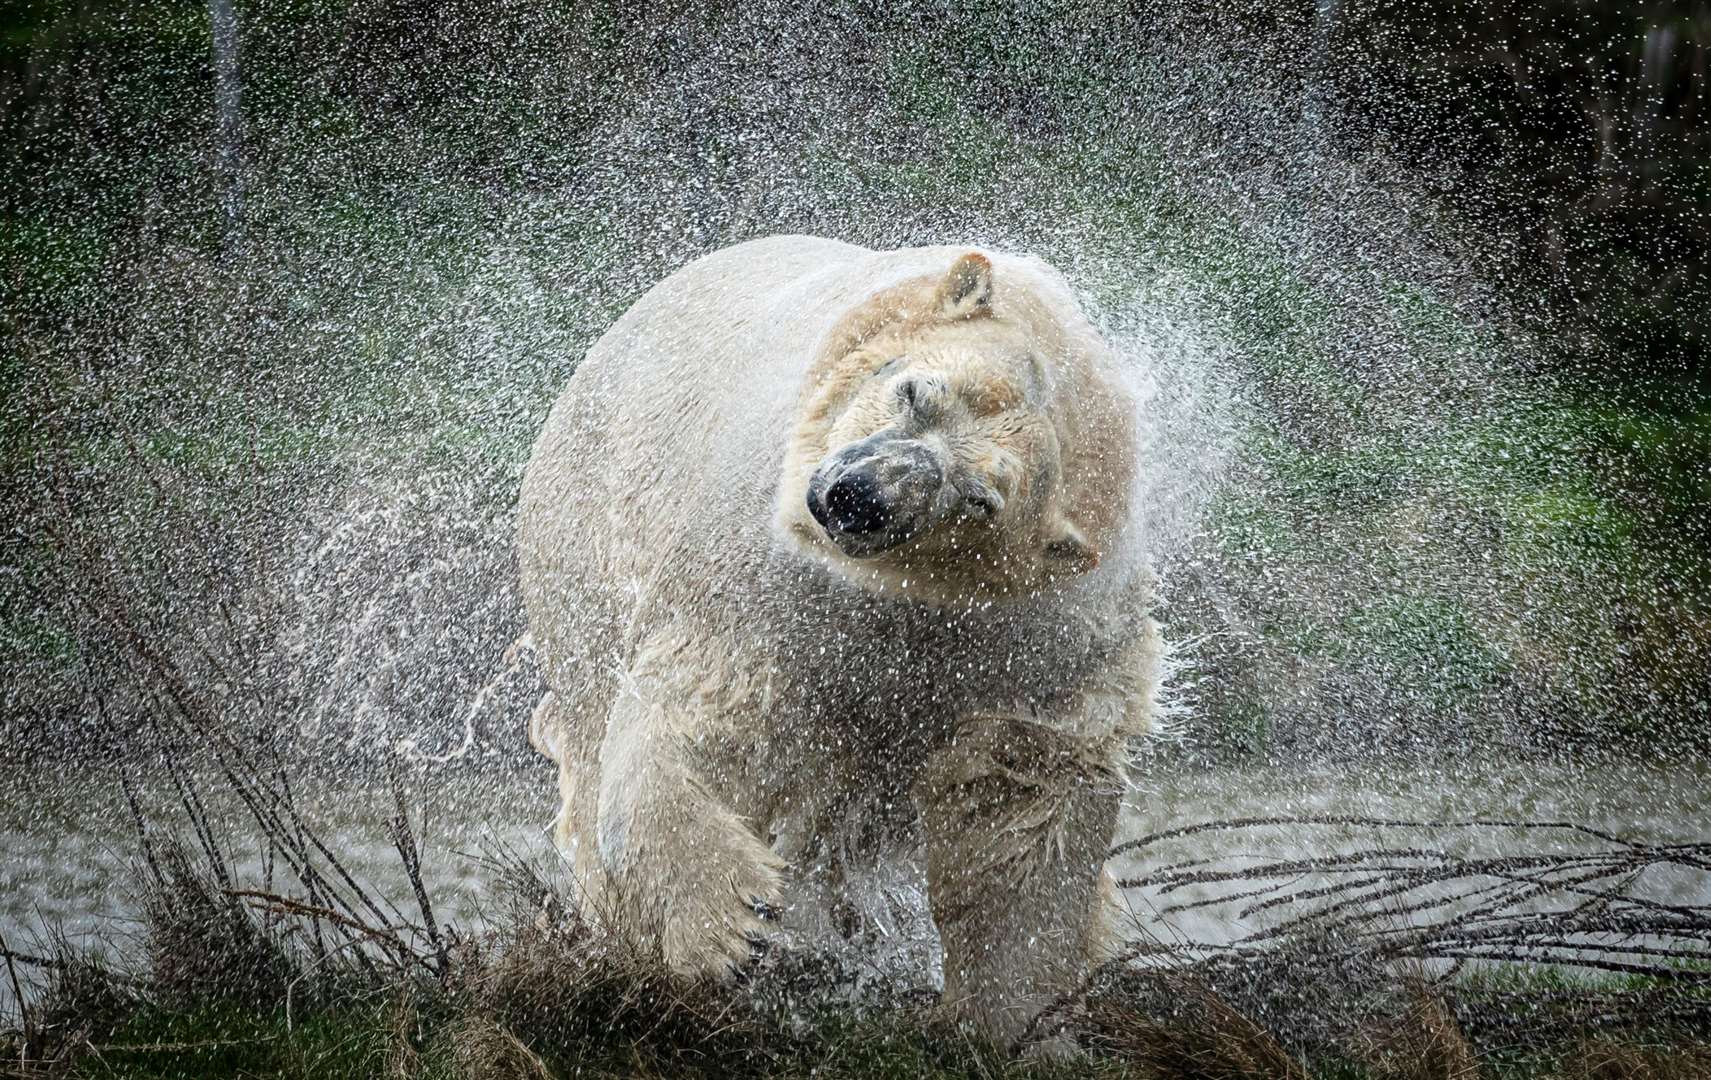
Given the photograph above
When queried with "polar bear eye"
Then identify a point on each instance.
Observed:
(921, 395)
(888, 367)
(981, 502)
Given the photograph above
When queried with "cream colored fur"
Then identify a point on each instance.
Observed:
(732, 697)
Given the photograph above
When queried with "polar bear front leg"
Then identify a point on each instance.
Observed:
(677, 866)
(1018, 820)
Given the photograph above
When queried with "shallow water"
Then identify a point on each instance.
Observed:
(1660, 802)
(70, 845)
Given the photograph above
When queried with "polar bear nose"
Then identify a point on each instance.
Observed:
(876, 494)
(854, 506)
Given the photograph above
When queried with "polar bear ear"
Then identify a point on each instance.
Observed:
(967, 290)
(1067, 551)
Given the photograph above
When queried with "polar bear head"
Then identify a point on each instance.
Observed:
(957, 439)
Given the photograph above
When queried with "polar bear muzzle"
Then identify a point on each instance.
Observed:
(878, 493)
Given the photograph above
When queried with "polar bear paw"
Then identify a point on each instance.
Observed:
(722, 932)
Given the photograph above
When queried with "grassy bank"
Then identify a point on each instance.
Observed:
(555, 1000)
(397, 1042)
(1422, 961)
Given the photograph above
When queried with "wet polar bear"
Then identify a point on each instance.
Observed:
(824, 544)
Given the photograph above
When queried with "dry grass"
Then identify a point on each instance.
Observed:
(547, 977)
(1203, 1038)
(1425, 1043)
(483, 1050)
(546, 994)
(403, 1034)
(1612, 1059)
(203, 943)
(81, 1002)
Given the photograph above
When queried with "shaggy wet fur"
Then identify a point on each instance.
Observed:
(736, 704)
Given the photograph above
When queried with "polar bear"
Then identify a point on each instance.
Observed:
(822, 543)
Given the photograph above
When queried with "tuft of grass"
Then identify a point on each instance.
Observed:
(1203, 1038)
(550, 978)
(1615, 1059)
(205, 945)
(1425, 1043)
(485, 1050)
